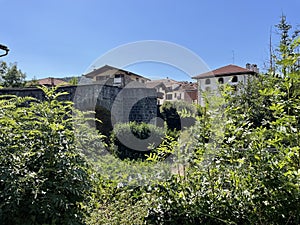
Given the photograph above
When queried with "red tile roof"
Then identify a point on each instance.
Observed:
(225, 71)
(50, 81)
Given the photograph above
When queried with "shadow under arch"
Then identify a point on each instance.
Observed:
(105, 127)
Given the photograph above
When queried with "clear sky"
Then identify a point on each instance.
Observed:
(61, 38)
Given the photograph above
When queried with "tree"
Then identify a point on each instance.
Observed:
(11, 76)
(74, 81)
(288, 59)
(33, 83)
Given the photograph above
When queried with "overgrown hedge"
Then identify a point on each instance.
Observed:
(135, 140)
(44, 176)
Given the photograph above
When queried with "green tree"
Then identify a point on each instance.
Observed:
(33, 83)
(288, 58)
(74, 81)
(11, 76)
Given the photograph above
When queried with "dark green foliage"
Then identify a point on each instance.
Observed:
(170, 115)
(170, 112)
(133, 140)
(44, 178)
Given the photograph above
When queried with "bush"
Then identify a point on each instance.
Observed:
(134, 140)
(44, 177)
(171, 113)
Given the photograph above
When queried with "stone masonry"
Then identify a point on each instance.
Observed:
(125, 104)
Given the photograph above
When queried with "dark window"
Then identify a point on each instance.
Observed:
(207, 81)
(235, 79)
(119, 75)
(169, 97)
(221, 80)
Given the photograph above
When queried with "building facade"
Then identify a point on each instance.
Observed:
(113, 76)
(171, 90)
(230, 74)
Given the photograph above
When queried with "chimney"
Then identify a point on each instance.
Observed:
(254, 68)
(52, 81)
(248, 66)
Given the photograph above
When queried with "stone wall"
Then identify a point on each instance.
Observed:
(127, 104)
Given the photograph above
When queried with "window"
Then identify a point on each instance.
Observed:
(234, 79)
(221, 80)
(118, 78)
(207, 81)
(169, 97)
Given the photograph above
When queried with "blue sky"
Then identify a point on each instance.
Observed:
(63, 37)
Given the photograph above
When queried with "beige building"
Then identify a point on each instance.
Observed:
(113, 76)
(171, 90)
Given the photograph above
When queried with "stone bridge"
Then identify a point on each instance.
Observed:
(121, 104)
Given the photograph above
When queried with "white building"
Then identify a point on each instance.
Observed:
(230, 74)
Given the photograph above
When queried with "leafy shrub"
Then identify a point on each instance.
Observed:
(44, 177)
(171, 113)
(132, 140)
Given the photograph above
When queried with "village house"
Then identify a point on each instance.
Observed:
(171, 90)
(230, 74)
(113, 76)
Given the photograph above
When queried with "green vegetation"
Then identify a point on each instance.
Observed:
(44, 177)
(134, 140)
(239, 163)
(11, 76)
(170, 112)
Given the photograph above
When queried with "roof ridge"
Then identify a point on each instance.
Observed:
(225, 70)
